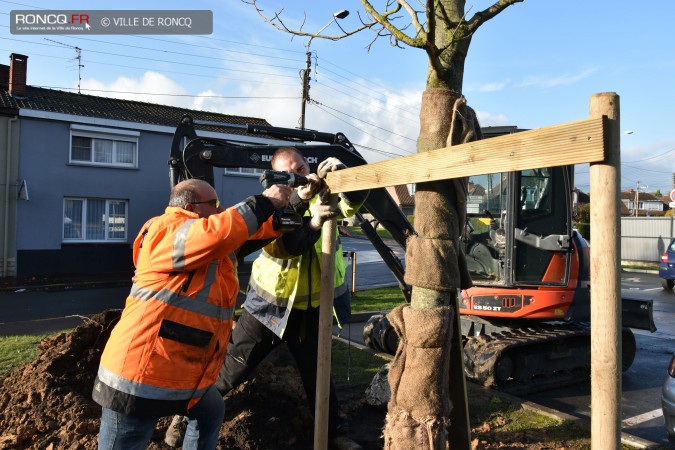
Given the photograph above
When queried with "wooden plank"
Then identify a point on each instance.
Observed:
(559, 145)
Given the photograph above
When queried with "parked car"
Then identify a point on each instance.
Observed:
(668, 400)
(667, 267)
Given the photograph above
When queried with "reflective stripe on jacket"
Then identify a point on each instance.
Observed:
(279, 284)
(172, 337)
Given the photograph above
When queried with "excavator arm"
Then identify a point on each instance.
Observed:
(195, 157)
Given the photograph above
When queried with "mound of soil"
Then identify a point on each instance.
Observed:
(46, 404)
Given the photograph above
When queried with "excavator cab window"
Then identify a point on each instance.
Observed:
(484, 239)
(518, 227)
(542, 224)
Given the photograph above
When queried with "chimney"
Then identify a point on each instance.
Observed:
(17, 74)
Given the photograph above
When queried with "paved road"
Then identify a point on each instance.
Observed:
(642, 382)
(36, 310)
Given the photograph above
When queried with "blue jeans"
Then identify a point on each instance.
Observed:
(121, 431)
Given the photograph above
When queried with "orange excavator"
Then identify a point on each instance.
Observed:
(527, 316)
(525, 323)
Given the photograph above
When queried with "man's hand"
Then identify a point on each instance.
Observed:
(327, 208)
(278, 195)
(309, 190)
(329, 165)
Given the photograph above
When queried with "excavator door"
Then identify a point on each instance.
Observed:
(519, 228)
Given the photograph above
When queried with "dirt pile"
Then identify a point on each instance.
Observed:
(46, 404)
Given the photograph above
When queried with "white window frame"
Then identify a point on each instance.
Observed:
(83, 221)
(110, 134)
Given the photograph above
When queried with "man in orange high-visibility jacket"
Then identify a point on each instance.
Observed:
(164, 355)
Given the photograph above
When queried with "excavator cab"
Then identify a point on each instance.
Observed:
(519, 228)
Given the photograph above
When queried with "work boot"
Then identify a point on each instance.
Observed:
(343, 442)
(176, 431)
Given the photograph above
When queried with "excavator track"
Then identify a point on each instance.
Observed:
(520, 360)
(526, 360)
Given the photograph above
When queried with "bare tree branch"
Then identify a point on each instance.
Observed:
(384, 19)
(419, 29)
(277, 22)
(483, 16)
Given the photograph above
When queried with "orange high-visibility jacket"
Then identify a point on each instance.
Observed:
(171, 340)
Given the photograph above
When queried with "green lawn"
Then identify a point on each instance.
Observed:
(382, 299)
(17, 350)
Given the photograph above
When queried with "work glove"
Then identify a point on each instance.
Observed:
(310, 189)
(326, 208)
(329, 165)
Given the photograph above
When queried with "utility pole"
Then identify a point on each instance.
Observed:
(637, 197)
(308, 68)
(305, 88)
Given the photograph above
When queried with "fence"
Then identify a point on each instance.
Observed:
(645, 239)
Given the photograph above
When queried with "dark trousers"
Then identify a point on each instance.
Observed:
(252, 341)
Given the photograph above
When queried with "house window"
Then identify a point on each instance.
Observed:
(94, 220)
(103, 146)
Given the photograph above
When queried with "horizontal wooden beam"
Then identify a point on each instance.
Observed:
(559, 145)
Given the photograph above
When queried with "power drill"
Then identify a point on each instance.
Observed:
(285, 219)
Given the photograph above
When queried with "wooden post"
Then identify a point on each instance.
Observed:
(460, 429)
(606, 282)
(328, 246)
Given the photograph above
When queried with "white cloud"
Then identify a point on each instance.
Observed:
(561, 80)
(488, 87)
(488, 119)
(141, 89)
(386, 121)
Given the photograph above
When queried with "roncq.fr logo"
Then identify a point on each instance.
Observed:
(51, 19)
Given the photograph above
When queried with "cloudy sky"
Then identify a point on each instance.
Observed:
(536, 64)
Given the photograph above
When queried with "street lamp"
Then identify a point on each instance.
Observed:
(305, 73)
(337, 15)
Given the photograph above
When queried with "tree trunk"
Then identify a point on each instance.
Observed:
(426, 376)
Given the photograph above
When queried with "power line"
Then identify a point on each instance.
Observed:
(357, 99)
(365, 132)
(364, 122)
(23, 4)
(181, 53)
(276, 49)
(660, 155)
(362, 81)
(368, 93)
(170, 95)
(361, 98)
(211, 38)
(192, 74)
(172, 61)
(135, 46)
